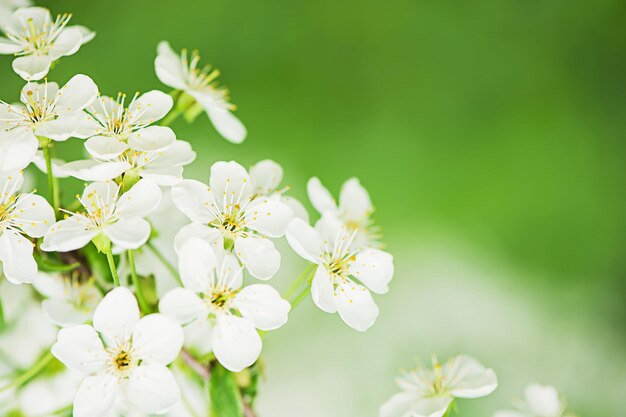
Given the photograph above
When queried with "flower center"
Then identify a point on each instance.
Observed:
(220, 298)
(122, 360)
(339, 267)
(39, 39)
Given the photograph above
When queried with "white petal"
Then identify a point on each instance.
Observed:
(67, 235)
(60, 129)
(34, 214)
(199, 336)
(98, 195)
(9, 47)
(354, 201)
(105, 147)
(194, 199)
(270, 217)
(17, 148)
(67, 43)
(320, 197)
(226, 123)
(229, 270)
(322, 291)
(183, 305)
(152, 389)
(87, 34)
(79, 92)
(407, 405)
(96, 396)
(471, 379)
(57, 165)
(374, 268)
(356, 306)
(116, 316)
(543, 400)
(16, 254)
(305, 240)
(230, 183)
(296, 207)
(50, 285)
(150, 107)
(152, 139)
(266, 176)
(80, 349)
(263, 305)
(92, 170)
(168, 67)
(332, 230)
(157, 339)
(64, 313)
(141, 200)
(258, 255)
(196, 264)
(32, 67)
(130, 233)
(200, 231)
(179, 153)
(236, 343)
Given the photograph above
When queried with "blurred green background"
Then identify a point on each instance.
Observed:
(490, 135)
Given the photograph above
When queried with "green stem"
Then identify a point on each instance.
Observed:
(2, 321)
(165, 262)
(171, 116)
(298, 281)
(113, 268)
(30, 373)
(143, 304)
(298, 298)
(52, 181)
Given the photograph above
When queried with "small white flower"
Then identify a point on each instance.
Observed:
(229, 213)
(213, 291)
(345, 274)
(46, 111)
(119, 218)
(123, 357)
(429, 392)
(38, 40)
(69, 301)
(266, 177)
(44, 396)
(7, 7)
(539, 401)
(178, 72)
(354, 208)
(20, 214)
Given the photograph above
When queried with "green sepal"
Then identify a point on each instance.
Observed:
(225, 397)
(103, 243)
(51, 265)
(184, 101)
(129, 179)
(193, 112)
(229, 244)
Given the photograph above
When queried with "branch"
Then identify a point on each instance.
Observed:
(197, 367)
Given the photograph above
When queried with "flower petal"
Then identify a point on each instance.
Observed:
(168, 67)
(80, 349)
(32, 67)
(270, 217)
(195, 201)
(152, 139)
(354, 201)
(230, 183)
(116, 316)
(17, 148)
(322, 291)
(374, 268)
(79, 92)
(64, 313)
(141, 200)
(305, 240)
(67, 235)
(67, 43)
(16, 254)
(266, 176)
(99, 195)
(152, 389)
(200, 231)
(226, 123)
(157, 339)
(96, 396)
(469, 378)
(105, 147)
(9, 47)
(183, 305)
(196, 264)
(60, 129)
(129, 233)
(236, 343)
(258, 255)
(320, 197)
(150, 107)
(34, 214)
(356, 305)
(408, 405)
(543, 400)
(263, 305)
(92, 170)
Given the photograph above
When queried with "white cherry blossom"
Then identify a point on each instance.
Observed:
(122, 357)
(229, 213)
(354, 208)
(7, 7)
(345, 274)
(21, 215)
(119, 218)
(38, 40)
(45, 111)
(182, 73)
(539, 401)
(213, 292)
(429, 392)
(69, 300)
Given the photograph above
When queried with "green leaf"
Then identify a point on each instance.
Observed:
(52, 265)
(226, 399)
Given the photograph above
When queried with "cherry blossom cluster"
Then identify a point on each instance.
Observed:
(148, 286)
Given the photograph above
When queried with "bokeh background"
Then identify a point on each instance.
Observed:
(490, 135)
